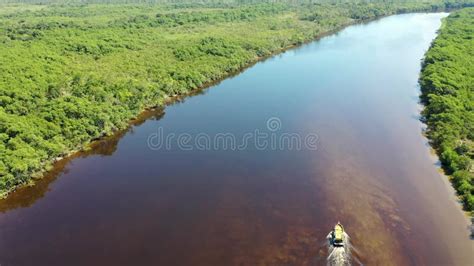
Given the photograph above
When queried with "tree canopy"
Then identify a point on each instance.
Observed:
(71, 73)
(447, 84)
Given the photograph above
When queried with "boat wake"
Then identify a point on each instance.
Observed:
(339, 255)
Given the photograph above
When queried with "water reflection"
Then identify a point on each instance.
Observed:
(26, 196)
(124, 203)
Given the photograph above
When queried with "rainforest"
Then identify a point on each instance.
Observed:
(447, 87)
(72, 73)
(236, 132)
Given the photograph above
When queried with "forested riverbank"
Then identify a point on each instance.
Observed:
(72, 73)
(447, 85)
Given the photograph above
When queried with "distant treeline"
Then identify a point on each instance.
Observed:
(447, 84)
(232, 2)
(70, 74)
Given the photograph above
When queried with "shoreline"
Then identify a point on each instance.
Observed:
(435, 143)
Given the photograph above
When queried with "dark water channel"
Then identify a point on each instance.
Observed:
(130, 201)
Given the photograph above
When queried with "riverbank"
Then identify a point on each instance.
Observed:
(116, 67)
(447, 93)
(372, 171)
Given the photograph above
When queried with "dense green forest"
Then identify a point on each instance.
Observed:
(447, 84)
(71, 73)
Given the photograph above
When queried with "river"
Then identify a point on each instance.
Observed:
(350, 98)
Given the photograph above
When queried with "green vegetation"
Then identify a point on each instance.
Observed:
(447, 84)
(73, 73)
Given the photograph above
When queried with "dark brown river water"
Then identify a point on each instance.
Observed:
(130, 201)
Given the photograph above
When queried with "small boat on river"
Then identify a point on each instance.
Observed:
(337, 235)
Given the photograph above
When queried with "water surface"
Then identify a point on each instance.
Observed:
(126, 204)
